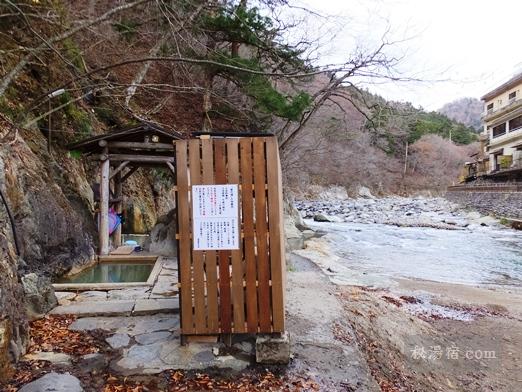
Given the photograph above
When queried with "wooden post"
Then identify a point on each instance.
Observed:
(118, 190)
(104, 205)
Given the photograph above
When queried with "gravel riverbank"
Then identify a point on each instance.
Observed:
(398, 211)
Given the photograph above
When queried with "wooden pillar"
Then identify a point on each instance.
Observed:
(104, 204)
(118, 193)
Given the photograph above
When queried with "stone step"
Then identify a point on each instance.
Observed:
(156, 305)
(96, 308)
(139, 307)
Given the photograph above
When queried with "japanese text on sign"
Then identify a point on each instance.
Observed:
(215, 217)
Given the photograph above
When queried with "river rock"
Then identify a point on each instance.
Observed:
(54, 382)
(294, 237)
(365, 192)
(39, 294)
(321, 218)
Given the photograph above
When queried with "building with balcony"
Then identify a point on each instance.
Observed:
(501, 140)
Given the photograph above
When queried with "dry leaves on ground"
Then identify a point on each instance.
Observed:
(252, 382)
(341, 334)
(178, 381)
(25, 372)
(52, 333)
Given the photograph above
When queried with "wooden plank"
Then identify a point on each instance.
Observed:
(225, 303)
(263, 271)
(276, 235)
(142, 146)
(129, 173)
(247, 203)
(123, 250)
(171, 167)
(197, 256)
(132, 258)
(139, 158)
(210, 255)
(184, 240)
(238, 270)
(202, 338)
(103, 228)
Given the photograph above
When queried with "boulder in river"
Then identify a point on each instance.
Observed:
(321, 218)
(365, 193)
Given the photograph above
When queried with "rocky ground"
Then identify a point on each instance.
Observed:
(399, 211)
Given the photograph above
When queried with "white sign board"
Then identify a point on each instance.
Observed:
(215, 217)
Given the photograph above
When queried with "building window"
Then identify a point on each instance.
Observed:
(489, 108)
(499, 130)
(512, 96)
(515, 123)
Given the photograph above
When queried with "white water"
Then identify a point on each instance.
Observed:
(374, 254)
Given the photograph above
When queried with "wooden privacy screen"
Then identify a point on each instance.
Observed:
(233, 291)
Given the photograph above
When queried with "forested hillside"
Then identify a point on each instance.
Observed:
(389, 147)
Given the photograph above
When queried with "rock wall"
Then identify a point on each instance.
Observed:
(501, 204)
(13, 319)
(51, 200)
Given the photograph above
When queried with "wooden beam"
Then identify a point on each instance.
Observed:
(172, 168)
(129, 173)
(118, 169)
(142, 146)
(136, 158)
(103, 227)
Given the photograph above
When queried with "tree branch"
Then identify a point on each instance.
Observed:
(13, 73)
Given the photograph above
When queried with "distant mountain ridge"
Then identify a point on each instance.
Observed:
(466, 111)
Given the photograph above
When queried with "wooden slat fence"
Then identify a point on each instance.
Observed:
(233, 291)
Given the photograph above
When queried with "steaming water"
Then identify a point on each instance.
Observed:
(373, 254)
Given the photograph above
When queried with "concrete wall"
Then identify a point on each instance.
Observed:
(502, 204)
(502, 100)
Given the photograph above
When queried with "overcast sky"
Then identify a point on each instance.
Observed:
(471, 45)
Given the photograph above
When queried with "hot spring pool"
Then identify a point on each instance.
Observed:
(112, 272)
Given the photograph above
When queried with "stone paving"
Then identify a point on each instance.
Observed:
(142, 324)
(151, 344)
(161, 297)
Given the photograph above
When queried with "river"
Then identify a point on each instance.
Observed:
(374, 254)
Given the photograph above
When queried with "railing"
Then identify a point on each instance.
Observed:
(490, 112)
(511, 187)
(516, 164)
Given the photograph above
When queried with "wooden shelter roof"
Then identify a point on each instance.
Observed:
(135, 134)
